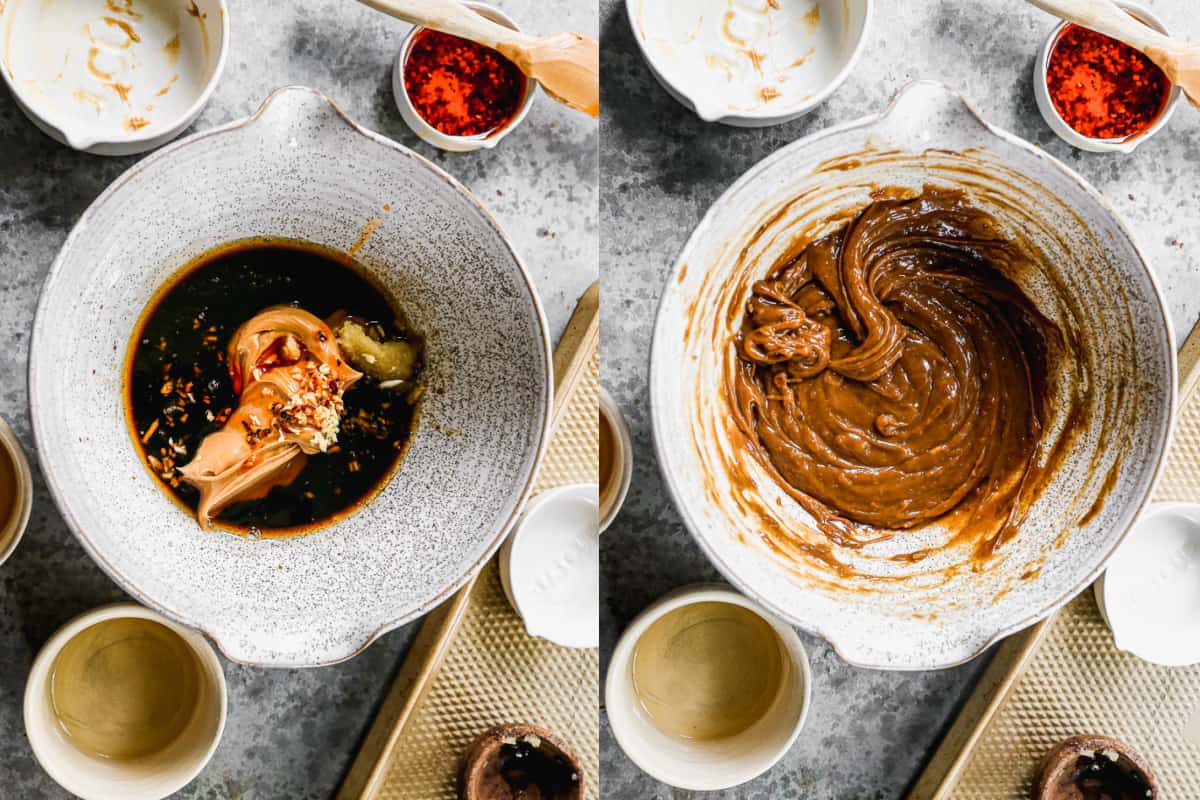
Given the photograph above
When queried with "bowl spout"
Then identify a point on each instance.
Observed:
(923, 110)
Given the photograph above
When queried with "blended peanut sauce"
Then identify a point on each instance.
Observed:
(892, 373)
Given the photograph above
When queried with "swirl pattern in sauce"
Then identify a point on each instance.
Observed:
(892, 373)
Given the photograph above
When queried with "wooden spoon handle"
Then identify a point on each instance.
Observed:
(1104, 16)
(450, 16)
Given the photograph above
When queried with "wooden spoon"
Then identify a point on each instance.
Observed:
(1179, 60)
(566, 65)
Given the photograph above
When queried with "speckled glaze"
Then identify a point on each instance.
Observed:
(297, 168)
(920, 618)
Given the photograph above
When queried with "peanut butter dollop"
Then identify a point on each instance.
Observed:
(289, 372)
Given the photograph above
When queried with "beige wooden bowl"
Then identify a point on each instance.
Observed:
(712, 764)
(13, 528)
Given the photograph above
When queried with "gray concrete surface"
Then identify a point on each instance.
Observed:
(869, 733)
(291, 734)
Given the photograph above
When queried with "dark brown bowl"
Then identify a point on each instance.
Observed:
(520, 762)
(1089, 765)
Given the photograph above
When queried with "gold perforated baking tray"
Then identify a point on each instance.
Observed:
(1064, 676)
(472, 665)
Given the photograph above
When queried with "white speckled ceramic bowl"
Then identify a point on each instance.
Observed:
(112, 79)
(935, 611)
(298, 169)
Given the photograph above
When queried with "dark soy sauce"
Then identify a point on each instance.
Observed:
(523, 767)
(1098, 777)
(178, 388)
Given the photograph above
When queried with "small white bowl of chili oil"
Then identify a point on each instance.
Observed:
(456, 94)
(1099, 94)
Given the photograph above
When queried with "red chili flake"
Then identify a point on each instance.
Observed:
(460, 87)
(1103, 88)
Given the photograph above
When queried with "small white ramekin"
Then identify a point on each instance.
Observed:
(71, 129)
(702, 766)
(611, 503)
(428, 133)
(550, 567)
(149, 778)
(1041, 93)
(12, 529)
(1149, 594)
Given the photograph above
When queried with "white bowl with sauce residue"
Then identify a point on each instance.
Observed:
(750, 63)
(99, 682)
(116, 77)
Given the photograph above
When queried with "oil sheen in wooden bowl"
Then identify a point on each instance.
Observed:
(124, 688)
(708, 670)
(608, 464)
(8, 487)
(178, 387)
